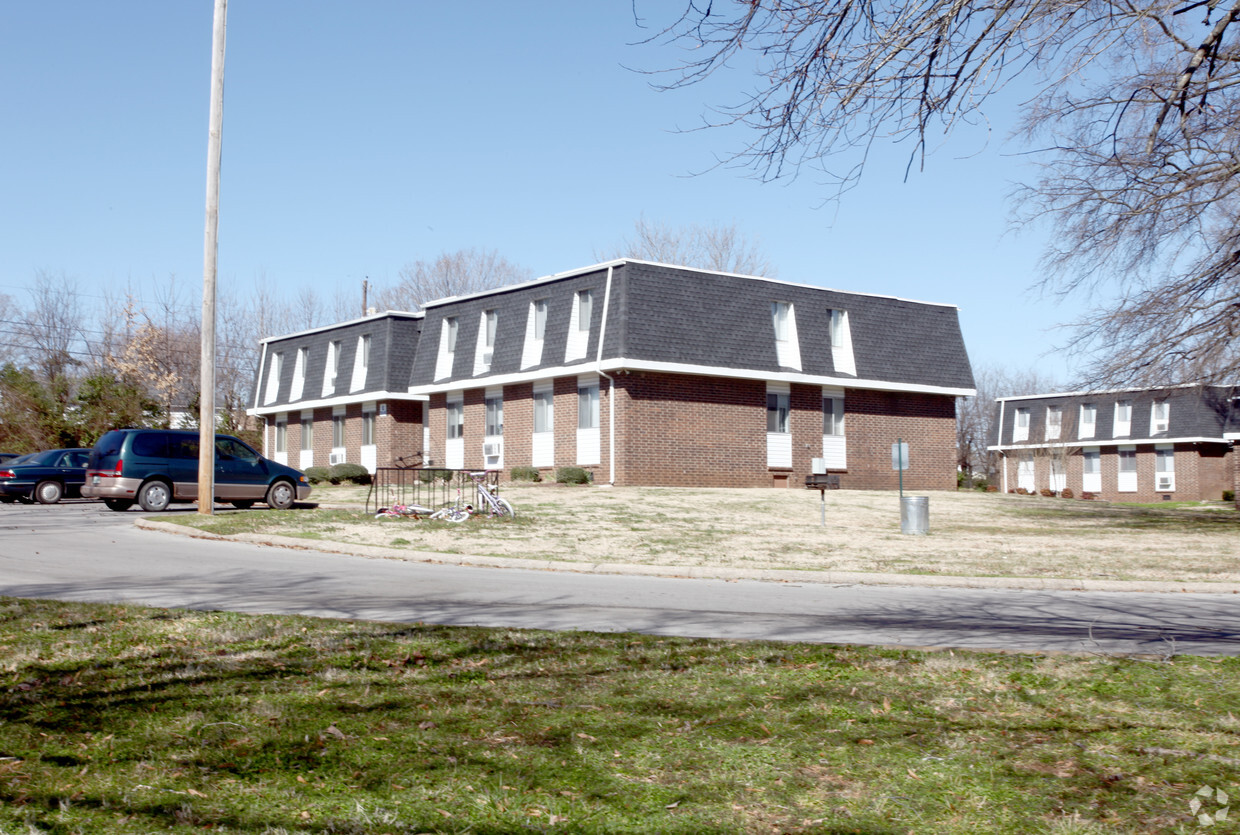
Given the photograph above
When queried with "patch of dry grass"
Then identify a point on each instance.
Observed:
(971, 534)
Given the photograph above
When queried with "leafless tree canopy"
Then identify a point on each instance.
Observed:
(722, 248)
(451, 274)
(1134, 112)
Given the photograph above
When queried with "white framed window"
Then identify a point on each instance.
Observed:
(338, 430)
(1020, 426)
(1164, 468)
(1160, 417)
(282, 434)
(447, 348)
(579, 325)
(780, 313)
(777, 412)
(1088, 421)
(832, 415)
(486, 342)
(836, 326)
(543, 442)
(544, 411)
(455, 415)
(585, 309)
(587, 406)
(331, 367)
(273, 378)
(589, 446)
(368, 427)
(1025, 472)
(1127, 470)
(1054, 423)
(299, 374)
(787, 347)
(535, 334)
(1091, 470)
(540, 319)
(454, 446)
(1122, 427)
(834, 450)
(307, 432)
(494, 415)
(1058, 474)
(361, 363)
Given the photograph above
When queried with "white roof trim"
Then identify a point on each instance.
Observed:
(336, 325)
(1105, 392)
(622, 364)
(593, 268)
(343, 400)
(1084, 442)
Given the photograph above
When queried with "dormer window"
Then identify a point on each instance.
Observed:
(780, 311)
(361, 363)
(585, 309)
(535, 334)
(1020, 428)
(1054, 422)
(836, 326)
(1123, 419)
(1088, 421)
(331, 367)
(273, 378)
(579, 328)
(540, 319)
(486, 342)
(787, 347)
(840, 336)
(299, 374)
(447, 348)
(1160, 417)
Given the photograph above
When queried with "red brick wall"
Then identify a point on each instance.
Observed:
(682, 430)
(1202, 472)
(874, 420)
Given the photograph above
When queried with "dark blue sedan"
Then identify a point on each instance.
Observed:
(45, 477)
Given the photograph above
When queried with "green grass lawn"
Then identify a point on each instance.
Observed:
(124, 719)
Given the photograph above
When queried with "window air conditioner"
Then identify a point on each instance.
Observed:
(336, 458)
(1164, 483)
(493, 450)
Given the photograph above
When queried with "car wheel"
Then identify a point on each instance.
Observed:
(281, 495)
(245, 504)
(48, 492)
(118, 504)
(154, 496)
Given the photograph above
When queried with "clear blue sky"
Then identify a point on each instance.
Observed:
(362, 136)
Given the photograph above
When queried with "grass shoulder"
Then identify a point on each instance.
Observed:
(121, 718)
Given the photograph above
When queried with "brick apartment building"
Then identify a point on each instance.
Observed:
(642, 373)
(1132, 445)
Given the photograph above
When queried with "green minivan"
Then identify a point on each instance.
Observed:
(155, 467)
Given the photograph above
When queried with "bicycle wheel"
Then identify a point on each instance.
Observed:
(503, 509)
(451, 514)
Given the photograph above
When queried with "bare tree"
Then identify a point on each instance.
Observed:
(976, 416)
(722, 248)
(1135, 107)
(451, 274)
(52, 339)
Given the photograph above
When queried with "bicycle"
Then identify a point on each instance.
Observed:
(487, 502)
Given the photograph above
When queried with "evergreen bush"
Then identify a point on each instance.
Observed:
(572, 475)
(526, 474)
(355, 473)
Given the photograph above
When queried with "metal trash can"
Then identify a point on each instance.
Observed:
(915, 514)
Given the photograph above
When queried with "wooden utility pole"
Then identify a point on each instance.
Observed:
(206, 405)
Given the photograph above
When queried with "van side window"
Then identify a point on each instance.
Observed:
(150, 445)
(184, 447)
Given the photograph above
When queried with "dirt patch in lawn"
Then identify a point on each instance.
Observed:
(972, 534)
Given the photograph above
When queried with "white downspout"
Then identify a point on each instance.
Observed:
(1002, 452)
(611, 386)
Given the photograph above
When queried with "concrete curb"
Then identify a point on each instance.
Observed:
(831, 578)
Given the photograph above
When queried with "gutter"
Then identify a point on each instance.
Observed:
(611, 385)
